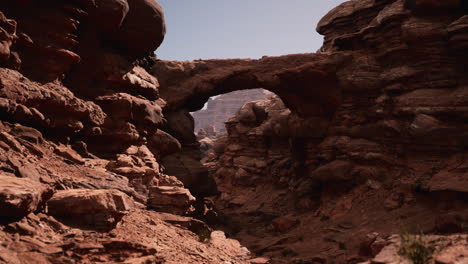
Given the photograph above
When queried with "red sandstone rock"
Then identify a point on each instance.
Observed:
(69, 154)
(19, 196)
(431, 4)
(265, 72)
(260, 261)
(101, 209)
(383, 104)
(169, 199)
(114, 12)
(163, 144)
(134, 35)
(8, 28)
(81, 202)
(223, 107)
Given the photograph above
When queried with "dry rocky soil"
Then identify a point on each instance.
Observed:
(361, 157)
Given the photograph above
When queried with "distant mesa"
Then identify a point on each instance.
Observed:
(219, 109)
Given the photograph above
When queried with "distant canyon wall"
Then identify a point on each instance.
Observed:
(219, 109)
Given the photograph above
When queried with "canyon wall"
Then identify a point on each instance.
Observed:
(367, 137)
(82, 133)
(99, 161)
(219, 109)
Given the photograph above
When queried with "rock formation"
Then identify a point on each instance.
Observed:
(218, 110)
(81, 140)
(367, 135)
(366, 139)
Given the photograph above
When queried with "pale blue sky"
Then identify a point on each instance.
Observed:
(207, 29)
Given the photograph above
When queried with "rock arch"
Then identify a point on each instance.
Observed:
(307, 83)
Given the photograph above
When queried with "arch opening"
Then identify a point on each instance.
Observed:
(307, 97)
(219, 109)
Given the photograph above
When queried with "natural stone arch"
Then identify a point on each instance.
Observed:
(307, 83)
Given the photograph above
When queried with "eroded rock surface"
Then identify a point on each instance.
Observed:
(220, 109)
(366, 136)
(81, 140)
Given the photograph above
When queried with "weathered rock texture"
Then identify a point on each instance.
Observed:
(218, 110)
(372, 135)
(19, 197)
(82, 135)
(367, 136)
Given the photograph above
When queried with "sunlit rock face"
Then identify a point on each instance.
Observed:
(373, 126)
(81, 140)
(364, 137)
(94, 48)
(53, 36)
(219, 109)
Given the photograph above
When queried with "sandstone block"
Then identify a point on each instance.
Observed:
(20, 196)
(86, 202)
(171, 199)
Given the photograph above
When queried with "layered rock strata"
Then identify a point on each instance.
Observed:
(81, 140)
(367, 135)
(217, 110)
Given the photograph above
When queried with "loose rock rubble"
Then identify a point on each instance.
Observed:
(99, 162)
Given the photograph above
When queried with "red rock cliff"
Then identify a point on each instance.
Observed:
(99, 161)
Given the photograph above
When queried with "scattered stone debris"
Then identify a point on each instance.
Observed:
(364, 139)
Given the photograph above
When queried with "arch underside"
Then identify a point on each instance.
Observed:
(307, 83)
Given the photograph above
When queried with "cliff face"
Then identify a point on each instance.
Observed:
(99, 161)
(81, 138)
(218, 110)
(372, 135)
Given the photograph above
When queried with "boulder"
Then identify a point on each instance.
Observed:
(83, 201)
(122, 106)
(28, 133)
(452, 255)
(69, 154)
(111, 13)
(171, 199)
(181, 126)
(206, 144)
(220, 144)
(20, 196)
(163, 144)
(100, 209)
(139, 82)
(143, 29)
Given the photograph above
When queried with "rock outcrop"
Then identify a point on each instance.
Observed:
(82, 135)
(367, 135)
(21, 196)
(365, 138)
(218, 110)
(99, 208)
(171, 199)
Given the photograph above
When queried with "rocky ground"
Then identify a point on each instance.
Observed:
(367, 140)
(341, 212)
